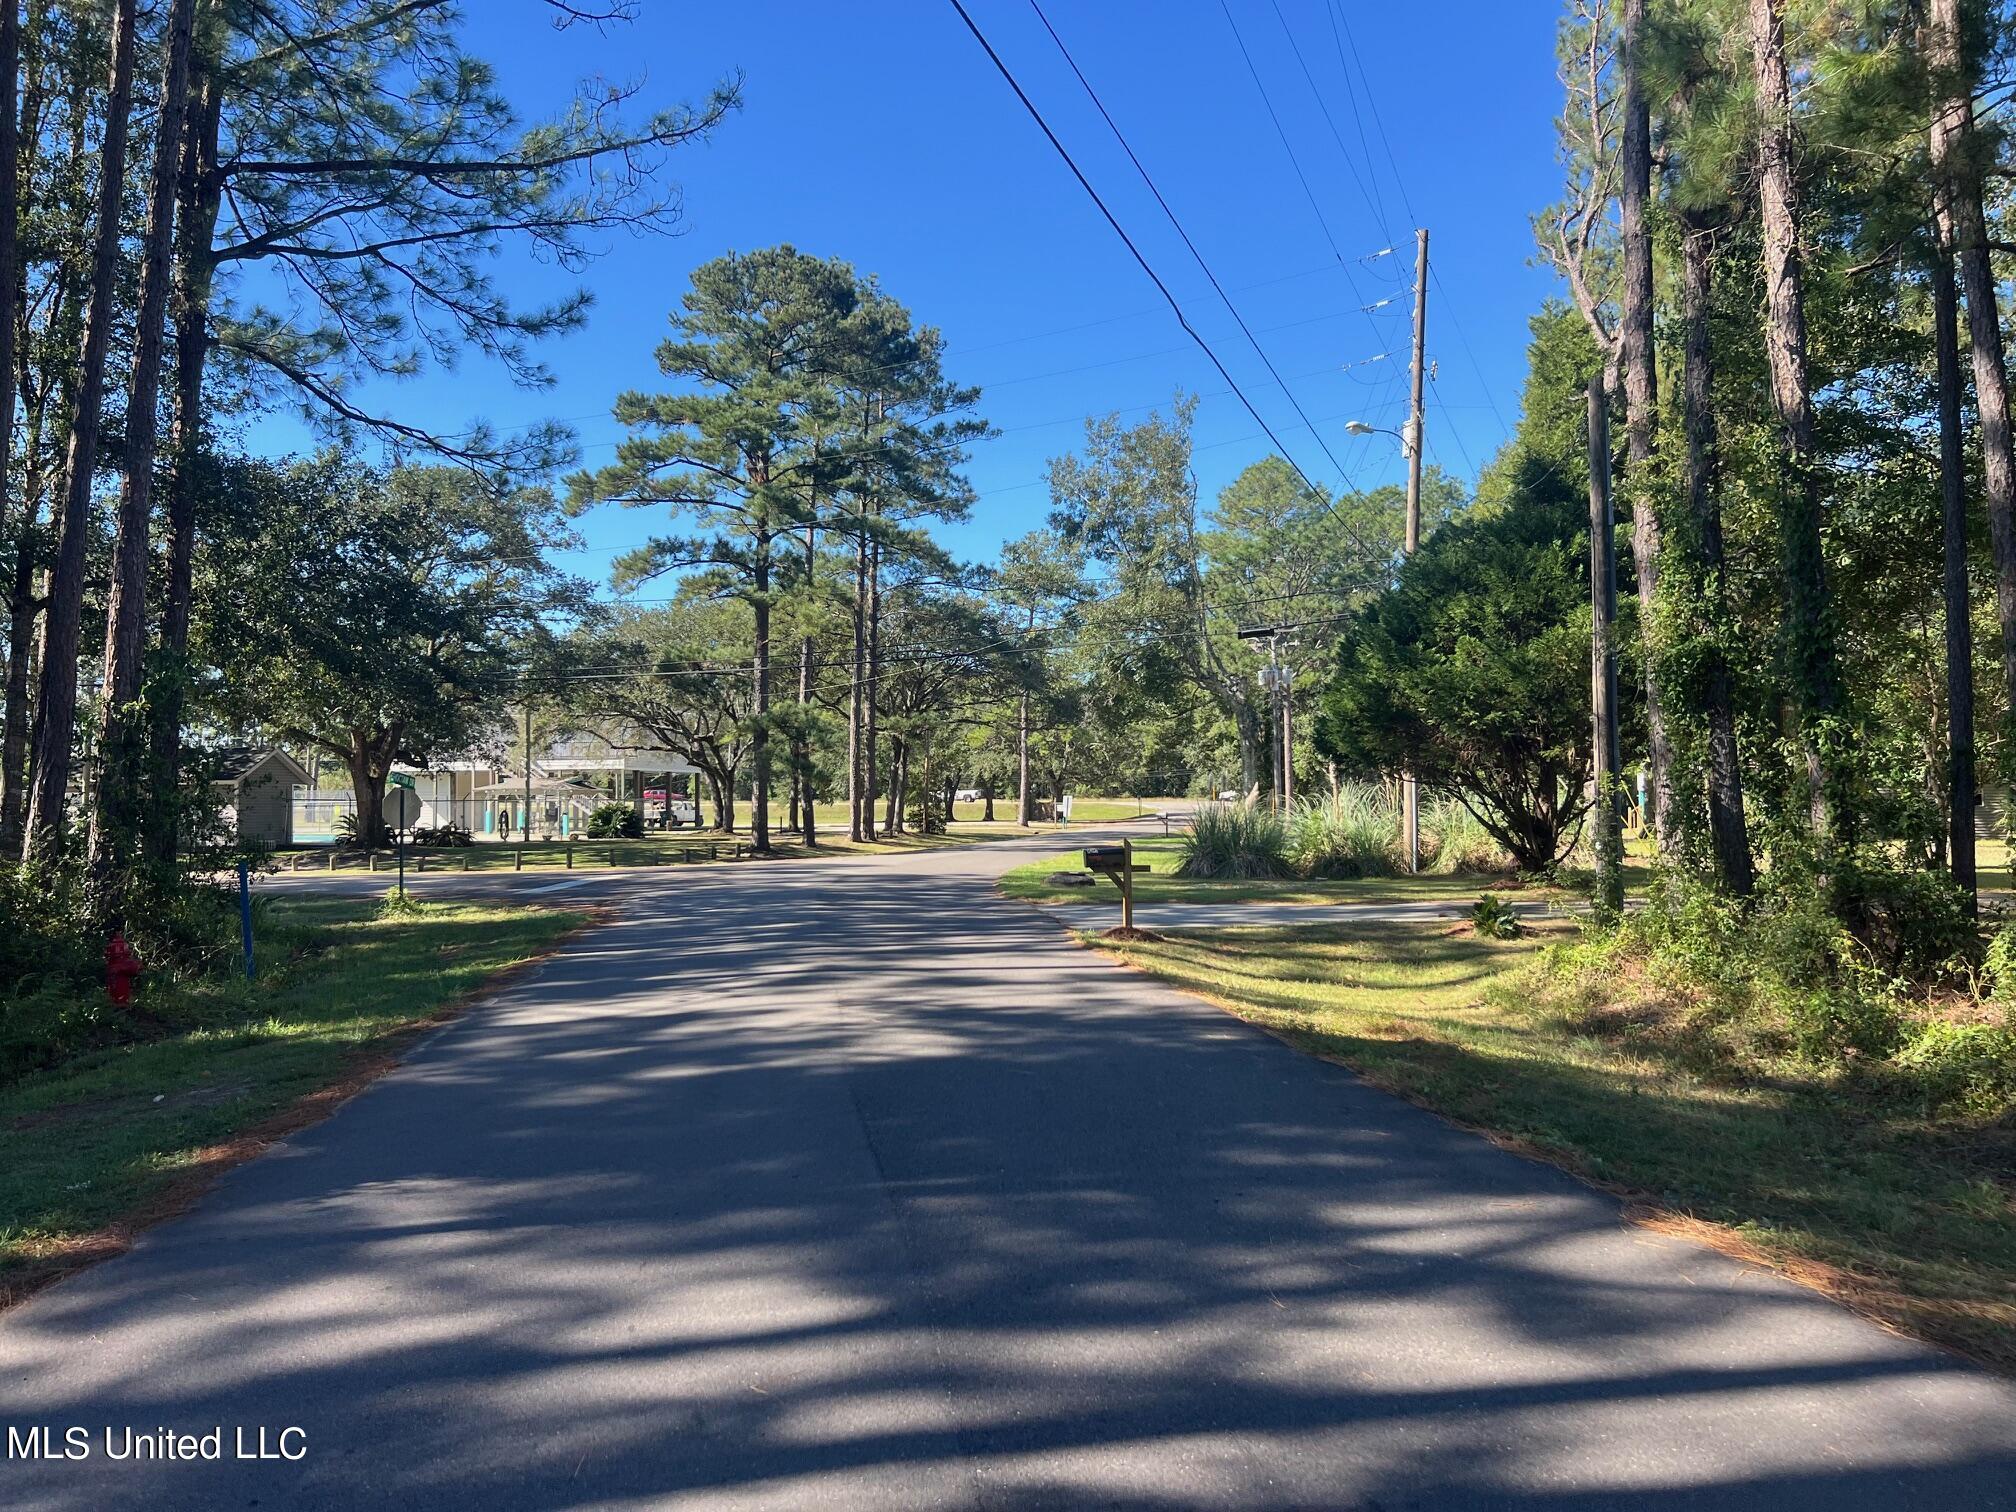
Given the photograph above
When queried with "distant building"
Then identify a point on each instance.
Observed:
(255, 789)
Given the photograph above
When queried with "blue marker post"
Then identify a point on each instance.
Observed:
(245, 915)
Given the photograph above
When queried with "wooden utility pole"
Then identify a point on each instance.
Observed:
(1410, 793)
(1604, 815)
(1274, 723)
(1286, 678)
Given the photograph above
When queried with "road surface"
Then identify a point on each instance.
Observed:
(847, 1184)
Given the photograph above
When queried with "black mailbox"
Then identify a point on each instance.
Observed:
(1105, 858)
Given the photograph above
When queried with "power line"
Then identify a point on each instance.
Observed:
(1154, 189)
(1294, 159)
(1121, 232)
(1341, 25)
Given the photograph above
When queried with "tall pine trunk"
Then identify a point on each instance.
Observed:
(1727, 828)
(857, 829)
(56, 701)
(122, 731)
(199, 200)
(1641, 400)
(759, 740)
(10, 225)
(1957, 181)
(1025, 797)
(1809, 633)
(874, 693)
(802, 754)
(1959, 605)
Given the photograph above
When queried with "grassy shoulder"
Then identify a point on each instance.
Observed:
(1908, 1215)
(1032, 882)
(107, 1140)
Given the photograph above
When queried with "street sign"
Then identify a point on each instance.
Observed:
(402, 808)
(400, 779)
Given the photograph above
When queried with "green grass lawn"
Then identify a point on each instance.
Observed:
(1912, 1220)
(669, 849)
(114, 1136)
(1032, 882)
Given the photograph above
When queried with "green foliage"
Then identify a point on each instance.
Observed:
(1969, 1067)
(1473, 671)
(1784, 982)
(52, 965)
(1235, 840)
(379, 616)
(1495, 919)
(1913, 923)
(615, 821)
(1454, 842)
(1354, 832)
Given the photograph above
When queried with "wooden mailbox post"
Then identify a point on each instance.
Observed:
(1117, 862)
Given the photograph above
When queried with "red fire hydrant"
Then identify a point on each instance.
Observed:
(122, 966)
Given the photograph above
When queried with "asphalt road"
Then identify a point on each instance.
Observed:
(848, 1185)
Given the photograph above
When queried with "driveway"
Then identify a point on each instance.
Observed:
(847, 1184)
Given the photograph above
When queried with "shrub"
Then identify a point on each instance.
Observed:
(1235, 840)
(615, 821)
(1914, 923)
(1998, 965)
(1353, 833)
(1493, 918)
(1969, 1065)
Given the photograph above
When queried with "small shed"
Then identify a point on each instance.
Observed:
(255, 785)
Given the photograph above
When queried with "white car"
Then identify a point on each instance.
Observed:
(967, 795)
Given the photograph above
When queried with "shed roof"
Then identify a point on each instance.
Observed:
(236, 763)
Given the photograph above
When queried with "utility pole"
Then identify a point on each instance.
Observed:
(1603, 660)
(1286, 677)
(1274, 722)
(1270, 679)
(1410, 793)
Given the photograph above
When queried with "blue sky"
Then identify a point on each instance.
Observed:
(881, 134)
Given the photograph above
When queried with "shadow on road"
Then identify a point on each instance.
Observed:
(850, 1186)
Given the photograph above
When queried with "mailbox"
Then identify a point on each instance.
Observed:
(1105, 858)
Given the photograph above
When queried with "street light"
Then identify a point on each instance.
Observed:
(1404, 437)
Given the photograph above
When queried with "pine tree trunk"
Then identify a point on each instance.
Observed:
(858, 828)
(803, 755)
(1641, 401)
(759, 742)
(122, 728)
(1727, 827)
(1957, 176)
(56, 702)
(65, 302)
(10, 255)
(199, 200)
(899, 754)
(1025, 797)
(1808, 618)
(1959, 605)
(873, 696)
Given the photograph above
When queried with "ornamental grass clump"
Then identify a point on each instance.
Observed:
(1235, 841)
(1458, 843)
(1355, 832)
